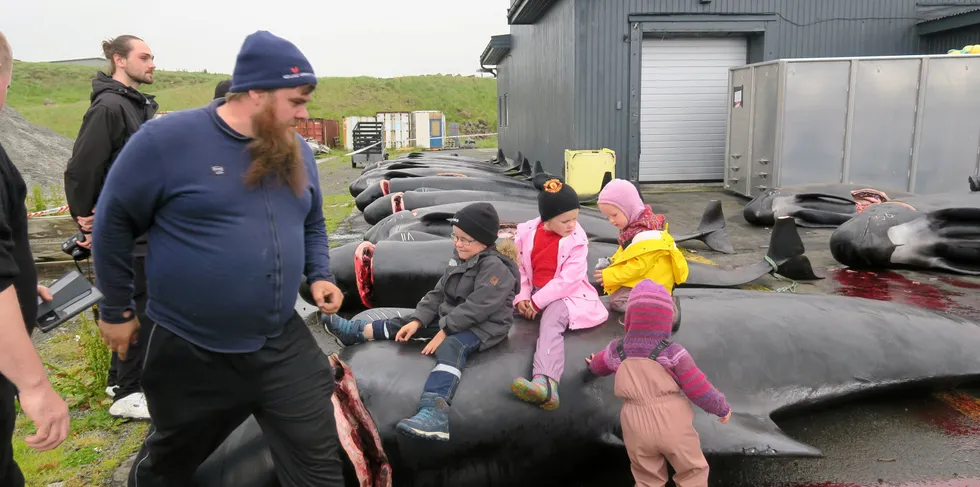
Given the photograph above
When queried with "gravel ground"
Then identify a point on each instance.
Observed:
(40, 153)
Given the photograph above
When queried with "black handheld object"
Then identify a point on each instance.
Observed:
(71, 247)
(72, 294)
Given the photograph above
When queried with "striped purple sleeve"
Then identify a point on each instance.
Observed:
(607, 361)
(693, 382)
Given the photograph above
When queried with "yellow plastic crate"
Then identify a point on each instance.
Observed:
(585, 170)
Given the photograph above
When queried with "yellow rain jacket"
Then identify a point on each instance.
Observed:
(652, 255)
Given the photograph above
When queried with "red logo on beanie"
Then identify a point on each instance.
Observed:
(294, 69)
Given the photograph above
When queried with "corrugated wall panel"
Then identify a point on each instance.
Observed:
(538, 77)
(804, 28)
(955, 39)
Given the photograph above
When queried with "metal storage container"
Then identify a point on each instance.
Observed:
(321, 130)
(395, 128)
(909, 123)
(349, 123)
(332, 128)
(427, 128)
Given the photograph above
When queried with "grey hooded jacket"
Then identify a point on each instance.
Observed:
(475, 294)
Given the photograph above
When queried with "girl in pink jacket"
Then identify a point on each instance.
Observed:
(552, 256)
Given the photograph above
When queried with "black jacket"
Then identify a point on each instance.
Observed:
(116, 112)
(16, 259)
(476, 294)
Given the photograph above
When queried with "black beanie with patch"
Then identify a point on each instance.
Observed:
(480, 221)
(555, 197)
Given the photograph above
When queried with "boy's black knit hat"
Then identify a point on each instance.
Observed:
(480, 221)
(555, 197)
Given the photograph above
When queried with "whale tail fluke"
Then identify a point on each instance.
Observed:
(517, 167)
(711, 230)
(786, 252)
(525, 172)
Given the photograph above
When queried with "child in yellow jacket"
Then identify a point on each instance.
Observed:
(646, 249)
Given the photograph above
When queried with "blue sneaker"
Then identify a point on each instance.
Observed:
(431, 422)
(347, 332)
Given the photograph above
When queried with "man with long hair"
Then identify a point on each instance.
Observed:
(230, 200)
(21, 371)
(117, 110)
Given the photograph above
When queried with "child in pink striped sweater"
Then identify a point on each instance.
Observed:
(651, 372)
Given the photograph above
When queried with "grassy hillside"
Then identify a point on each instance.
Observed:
(462, 98)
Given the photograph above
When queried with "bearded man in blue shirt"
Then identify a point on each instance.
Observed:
(229, 198)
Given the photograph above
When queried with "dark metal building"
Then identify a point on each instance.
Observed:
(649, 78)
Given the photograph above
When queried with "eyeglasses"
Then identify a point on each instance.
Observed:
(464, 241)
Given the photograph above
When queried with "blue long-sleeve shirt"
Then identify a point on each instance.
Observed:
(225, 261)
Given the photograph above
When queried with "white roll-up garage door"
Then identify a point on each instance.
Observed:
(683, 99)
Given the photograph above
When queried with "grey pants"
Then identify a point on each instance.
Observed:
(618, 299)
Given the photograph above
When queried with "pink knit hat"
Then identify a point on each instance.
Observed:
(623, 195)
(649, 312)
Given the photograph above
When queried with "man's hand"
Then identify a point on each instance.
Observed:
(49, 413)
(120, 336)
(85, 222)
(327, 296)
(434, 343)
(44, 292)
(87, 243)
(406, 331)
(598, 276)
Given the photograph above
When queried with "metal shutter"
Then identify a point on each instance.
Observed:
(683, 97)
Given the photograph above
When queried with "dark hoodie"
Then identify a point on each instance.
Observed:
(116, 112)
(475, 294)
(16, 260)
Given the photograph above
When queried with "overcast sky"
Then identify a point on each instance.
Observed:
(382, 38)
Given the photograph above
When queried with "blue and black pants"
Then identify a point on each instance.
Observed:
(450, 356)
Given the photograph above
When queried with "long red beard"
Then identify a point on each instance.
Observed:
(275, 152)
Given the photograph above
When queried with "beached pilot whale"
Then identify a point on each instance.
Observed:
(767, 352)
(443, 163)
(935, 231)
(398, 271)
(815, 205)
(373, 177)
(386, 187)
(498, 162)
(435, 220)
(425, 197)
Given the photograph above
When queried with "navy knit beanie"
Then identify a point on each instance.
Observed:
(268, 62)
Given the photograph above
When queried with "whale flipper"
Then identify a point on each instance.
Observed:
(748, 434)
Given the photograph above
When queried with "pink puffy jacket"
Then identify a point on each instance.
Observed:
(571, 281)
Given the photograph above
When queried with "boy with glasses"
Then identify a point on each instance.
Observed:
(468, 311)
